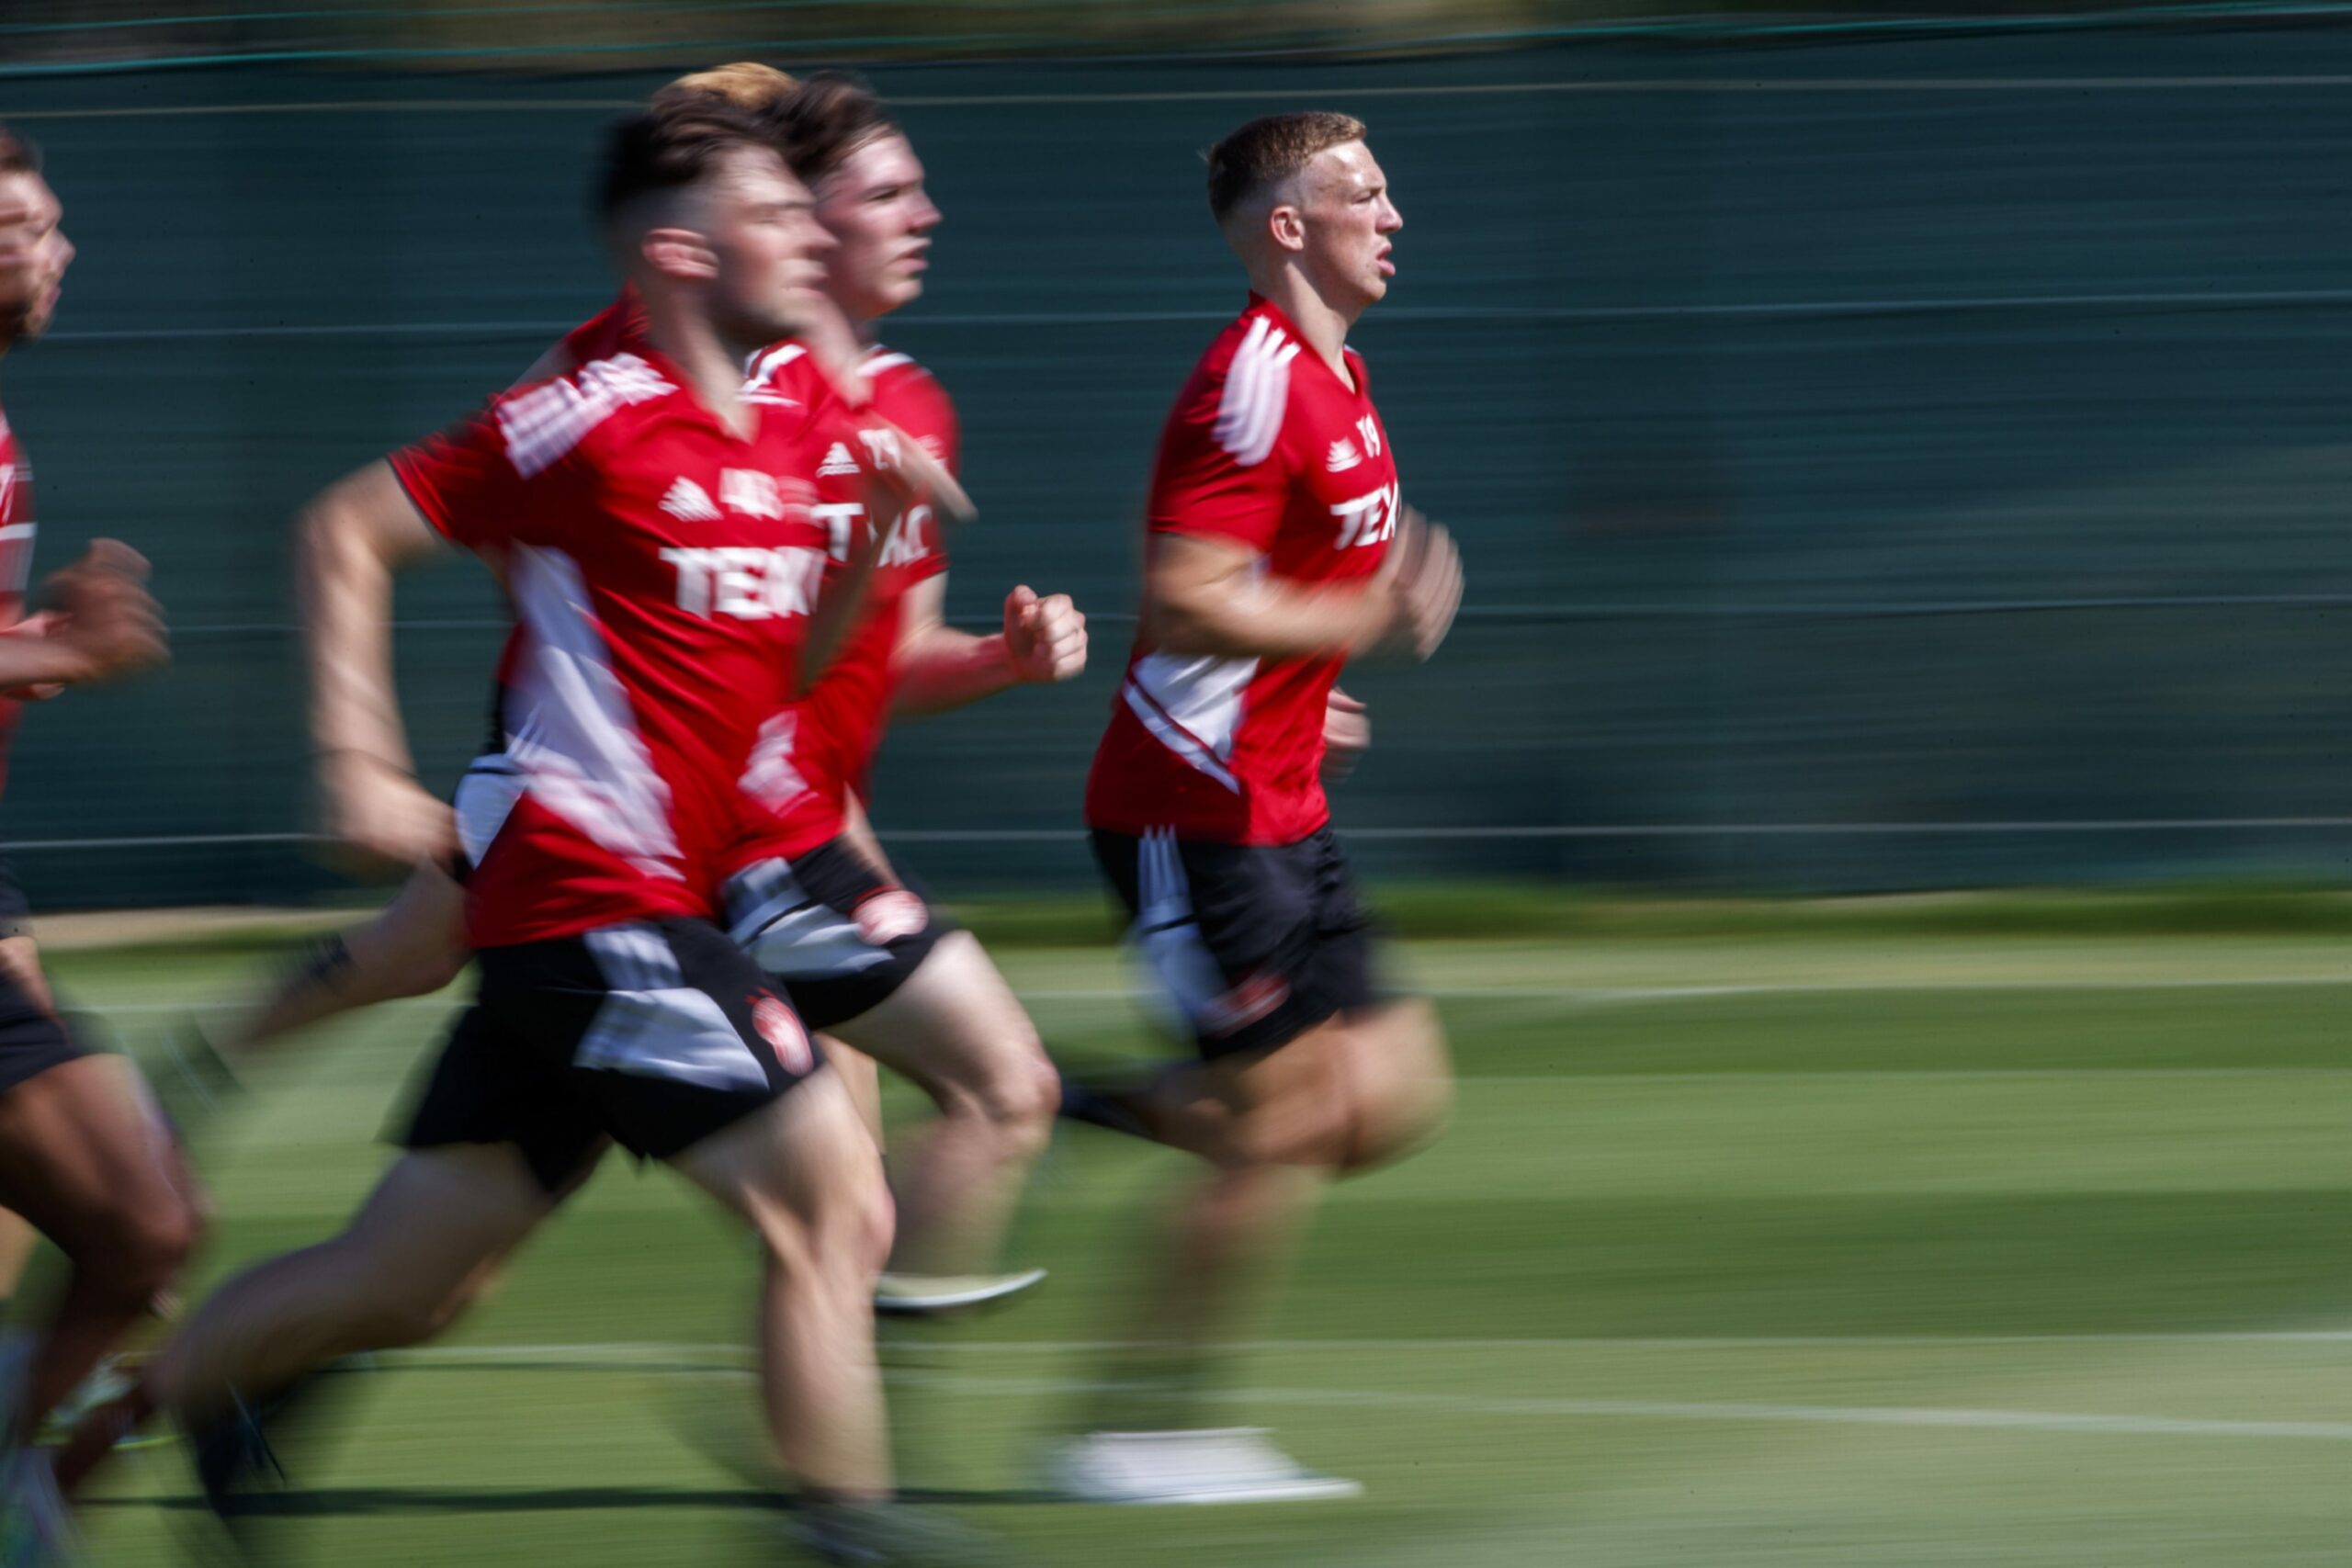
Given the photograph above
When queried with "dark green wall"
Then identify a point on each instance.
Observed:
(1828, 446)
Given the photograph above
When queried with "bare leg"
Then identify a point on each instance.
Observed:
(21, 962)
(415, 946)
(84, 1158)
(863, 1079)
(436, 1228)
(429, 1243)
(807, 1179)
(18, 1240)
(957, 1030)
(1344, 1096)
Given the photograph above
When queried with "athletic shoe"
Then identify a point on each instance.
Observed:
(108, 1381)
(1227, 1464)
(35, 1527)
(931, 1295)
(233, 1459)
(890, 1535)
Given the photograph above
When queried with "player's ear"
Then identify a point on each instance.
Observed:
(1286, 226)
(678, 253)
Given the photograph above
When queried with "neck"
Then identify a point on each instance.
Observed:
(713, 366)
(1323, 324)
(838, 340)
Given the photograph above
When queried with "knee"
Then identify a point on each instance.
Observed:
(1409, 1117)
(873, 1230)
(1016, 1092)
(143, 1249)
(1025, 1094)
(1295, 1133)
(1404, 1104)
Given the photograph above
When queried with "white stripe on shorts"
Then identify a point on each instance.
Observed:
(652, 1025)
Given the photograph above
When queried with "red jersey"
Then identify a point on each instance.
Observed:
(619, 328)
(825, 752)
(661, 571)
(820, 751)
(17, 530)
(1269, 448)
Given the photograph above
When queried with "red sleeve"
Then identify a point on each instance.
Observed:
(930, 418)
(464, 481)
(1222, 473)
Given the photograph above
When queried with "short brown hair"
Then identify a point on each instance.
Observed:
(18, 155)
(1266, 151)
(674, 145)
(746, 84)
(829, 116)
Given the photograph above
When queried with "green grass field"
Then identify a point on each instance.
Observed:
(1743, 1249)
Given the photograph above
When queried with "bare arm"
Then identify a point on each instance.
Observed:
(100, 624)
(905, 475)
(1206, 596)
(1044, 640)
(348, 543)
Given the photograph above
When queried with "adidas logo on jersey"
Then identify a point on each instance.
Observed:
(689, 503)
(1344, 456)
(837, 461)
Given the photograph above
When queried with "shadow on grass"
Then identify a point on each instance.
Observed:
(337, 1501)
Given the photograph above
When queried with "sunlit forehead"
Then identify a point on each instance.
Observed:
(757, 178)
(880, 167)
(1348, 171)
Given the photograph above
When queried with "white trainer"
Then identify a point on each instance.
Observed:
(931, 1295)
(1224, 1464)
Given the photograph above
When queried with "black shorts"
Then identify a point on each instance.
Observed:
(15, 914)
(653, 1036)
(1254, 944)
(32, 1038)
(836, 933)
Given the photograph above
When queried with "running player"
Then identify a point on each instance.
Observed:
(1278, 549)
(82, 1156)
(813, 897)
(649, 523)
(416, 945)
(896, 982)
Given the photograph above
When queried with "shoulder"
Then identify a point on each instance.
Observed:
(785, 374)
(609, 332)
(1239, 391)
(908, 395)
(542, 424)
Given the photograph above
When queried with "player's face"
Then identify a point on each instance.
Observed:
(1350, 220)
(881, 219)
(770, 248)
(34, 254)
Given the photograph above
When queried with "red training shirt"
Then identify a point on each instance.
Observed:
(1269, 448)
(662, 570)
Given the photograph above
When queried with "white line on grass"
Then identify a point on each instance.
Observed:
(1724, 1410)
(2084, 1423)
(652, 1353)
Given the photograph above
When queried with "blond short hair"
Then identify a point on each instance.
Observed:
(746, 84)
(1265, 153)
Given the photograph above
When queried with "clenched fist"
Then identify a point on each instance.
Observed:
(1045, 638)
